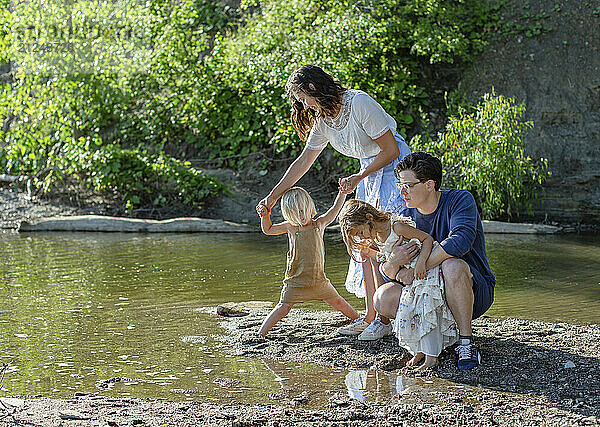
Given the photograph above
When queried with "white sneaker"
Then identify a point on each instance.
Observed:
(354, 328)
(376, 330)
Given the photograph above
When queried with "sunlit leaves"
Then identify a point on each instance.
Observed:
(482, 151)
(132, 80)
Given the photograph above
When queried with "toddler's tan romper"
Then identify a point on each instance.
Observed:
(305, 278)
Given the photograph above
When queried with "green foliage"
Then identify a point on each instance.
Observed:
(482, 151)
(522, 20)
(92, 79)
(113, 92)
(378, 46)
(146, 179)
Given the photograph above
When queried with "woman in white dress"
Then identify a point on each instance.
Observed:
(357, 126)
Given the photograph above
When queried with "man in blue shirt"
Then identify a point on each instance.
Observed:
(452, 219)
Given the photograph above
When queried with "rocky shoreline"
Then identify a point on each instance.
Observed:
(533, 373)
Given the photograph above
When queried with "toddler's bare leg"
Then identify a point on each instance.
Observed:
(279, 312)
(387, 298)
(340, 304)
(369, 282)
(379, 281)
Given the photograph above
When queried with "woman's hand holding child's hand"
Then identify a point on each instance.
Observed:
(349, 184)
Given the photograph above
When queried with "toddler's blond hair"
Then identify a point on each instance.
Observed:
(295, 203)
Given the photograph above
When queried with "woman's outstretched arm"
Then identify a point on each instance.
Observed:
(296, 171)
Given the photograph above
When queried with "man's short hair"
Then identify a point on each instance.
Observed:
(425, 167)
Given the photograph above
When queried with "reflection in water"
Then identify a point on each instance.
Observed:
(302, 383)
(80, 309)
(376, 385)
(548, 278)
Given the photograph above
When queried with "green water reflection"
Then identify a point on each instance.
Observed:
(80, 308)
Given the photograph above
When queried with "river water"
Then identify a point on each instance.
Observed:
(77, 309)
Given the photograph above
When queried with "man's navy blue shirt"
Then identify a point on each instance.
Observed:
(456, 225)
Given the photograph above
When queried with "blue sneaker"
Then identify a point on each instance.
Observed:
(468, 356)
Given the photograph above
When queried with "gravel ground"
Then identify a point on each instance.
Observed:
(533, 373)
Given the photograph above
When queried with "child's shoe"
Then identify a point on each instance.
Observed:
(354, 328)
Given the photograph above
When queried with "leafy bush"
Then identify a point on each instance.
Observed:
(482, 151)
(89, 80)
(378, 46)
(114, 92)
(146, 179)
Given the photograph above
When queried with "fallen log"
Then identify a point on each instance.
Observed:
(204, 225)
(135, 225)
(518, 228)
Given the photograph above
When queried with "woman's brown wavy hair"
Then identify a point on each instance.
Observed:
(325, 90)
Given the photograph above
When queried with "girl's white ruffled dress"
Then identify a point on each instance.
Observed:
(423, 321)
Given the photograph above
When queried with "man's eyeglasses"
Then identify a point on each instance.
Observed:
(406, 185)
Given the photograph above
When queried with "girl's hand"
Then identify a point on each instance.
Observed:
(420, 272)
(261, 210)
(349, 184)
(405, 275)
(268, 202)
(365, 252)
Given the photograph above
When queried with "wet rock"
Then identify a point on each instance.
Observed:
(339, 399)
(67, 414)
(300, 399)
(110, 382)
(226, 311)
(11, 402)
(226, 382)
(184, 391)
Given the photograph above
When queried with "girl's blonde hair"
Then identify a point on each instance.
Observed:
(355, 213)
(295, 204)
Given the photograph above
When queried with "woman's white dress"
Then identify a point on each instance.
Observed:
(423, 321)
(361, 120)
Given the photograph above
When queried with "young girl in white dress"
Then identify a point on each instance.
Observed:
(424, 324)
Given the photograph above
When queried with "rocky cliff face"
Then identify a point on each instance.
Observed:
(557, 75)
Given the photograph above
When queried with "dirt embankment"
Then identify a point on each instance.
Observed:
(551, 63)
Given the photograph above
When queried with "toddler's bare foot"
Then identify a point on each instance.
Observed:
(415, 360)
(430, 362)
